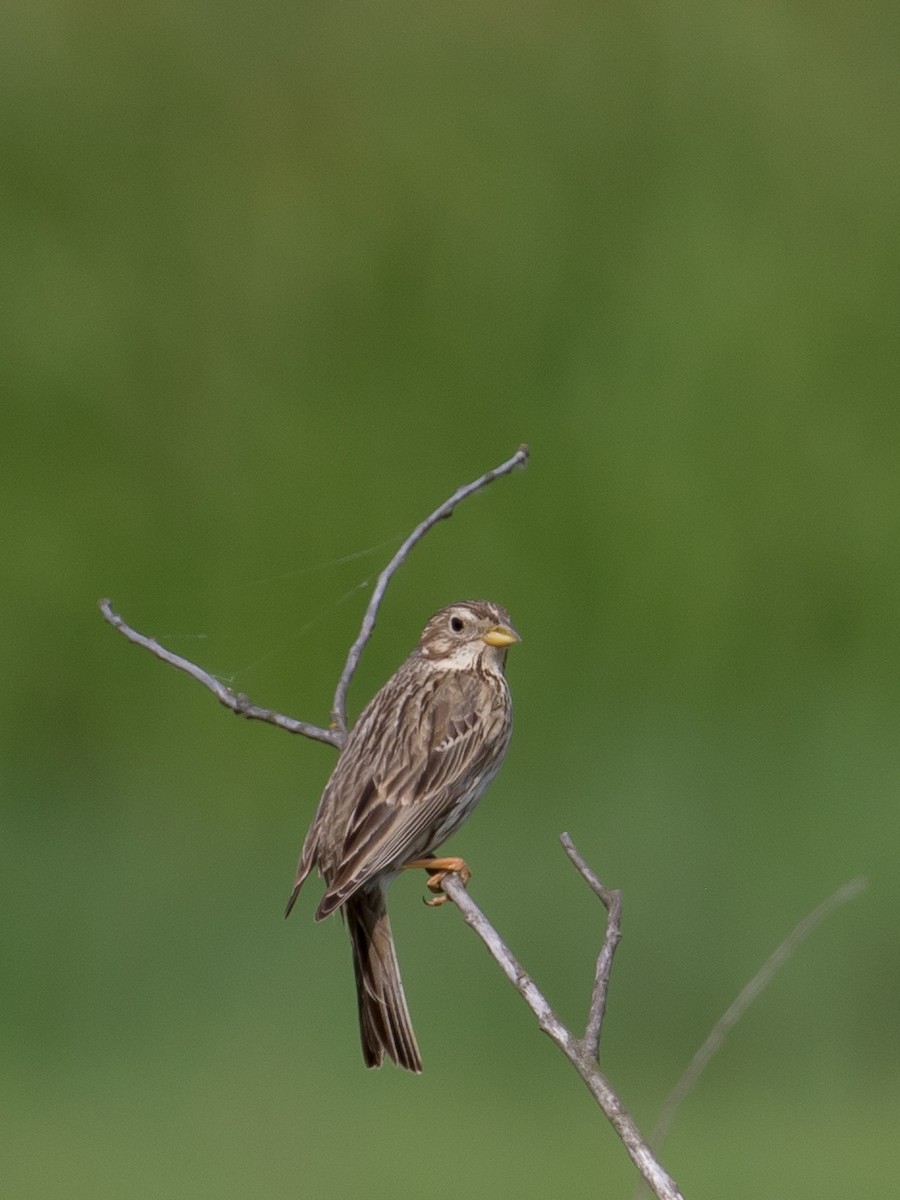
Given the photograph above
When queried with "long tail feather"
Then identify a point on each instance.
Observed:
(384, 1023)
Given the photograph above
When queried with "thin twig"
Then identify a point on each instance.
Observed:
(339, 704)
(611, 900)
(663, 1186)
(744, 999)
(236, 702)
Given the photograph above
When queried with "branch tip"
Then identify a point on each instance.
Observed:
(745, 997)
(339, 703)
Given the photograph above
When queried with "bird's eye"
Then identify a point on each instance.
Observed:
(456, 624)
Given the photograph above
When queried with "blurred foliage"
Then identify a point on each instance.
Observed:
(276, 280)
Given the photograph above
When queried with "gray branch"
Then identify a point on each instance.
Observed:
(336, 734)
(581, 1052)
(611, 899)
(339, 704)
(744, 999)
(237, 702)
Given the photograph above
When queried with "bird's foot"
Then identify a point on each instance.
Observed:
(438, 869)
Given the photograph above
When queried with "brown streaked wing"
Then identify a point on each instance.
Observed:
(414, 798)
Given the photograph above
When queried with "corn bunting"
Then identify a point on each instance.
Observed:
(411, 770)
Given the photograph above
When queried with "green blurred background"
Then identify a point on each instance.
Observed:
(277, 279)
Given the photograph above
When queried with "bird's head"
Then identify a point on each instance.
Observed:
(469, 631)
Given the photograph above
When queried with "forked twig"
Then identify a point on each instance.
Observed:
(581, 1052)
(611, 900)
(336, 734)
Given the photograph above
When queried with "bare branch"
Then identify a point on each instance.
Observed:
(611, 900)
(336, 734)
(744, 999)
(663, 1186)
(339, 704)
(238, 704)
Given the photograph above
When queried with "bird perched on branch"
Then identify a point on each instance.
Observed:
(412, 769)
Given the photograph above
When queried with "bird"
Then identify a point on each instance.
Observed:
(411, 770)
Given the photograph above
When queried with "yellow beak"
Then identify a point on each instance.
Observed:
(500, 635)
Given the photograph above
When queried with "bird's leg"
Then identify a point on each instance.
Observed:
(437, 868)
